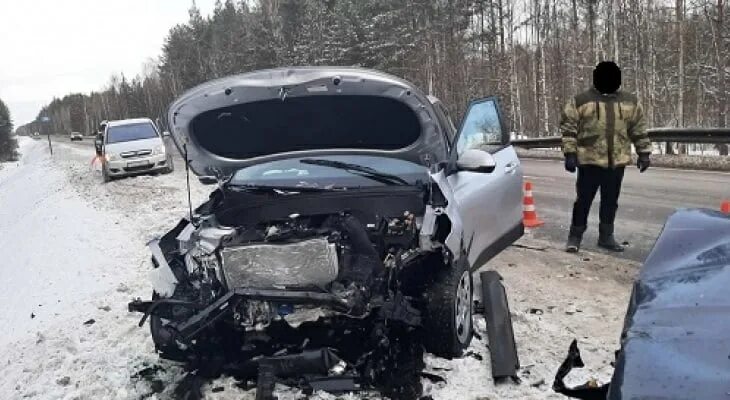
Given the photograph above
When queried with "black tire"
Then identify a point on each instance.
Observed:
(443, 335)
(160, 338)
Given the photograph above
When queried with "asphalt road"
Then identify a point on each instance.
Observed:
(645, 203)
(646, 200)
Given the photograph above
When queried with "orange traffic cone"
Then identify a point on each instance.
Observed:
(725, 207)
(529, 215)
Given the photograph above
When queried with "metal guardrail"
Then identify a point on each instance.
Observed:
(677, 135)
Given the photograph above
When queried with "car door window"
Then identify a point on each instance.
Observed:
(481, 127)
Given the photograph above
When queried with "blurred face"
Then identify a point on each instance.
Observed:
(607, 77)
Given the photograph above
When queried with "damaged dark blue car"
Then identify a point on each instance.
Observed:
(675, 342)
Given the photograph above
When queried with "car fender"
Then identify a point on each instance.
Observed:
(455, 239)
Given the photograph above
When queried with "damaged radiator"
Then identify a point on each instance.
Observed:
(306, 263)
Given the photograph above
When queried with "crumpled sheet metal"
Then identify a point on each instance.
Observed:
(310, 262)
(676, 341)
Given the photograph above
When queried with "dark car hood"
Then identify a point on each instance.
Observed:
(676, 341)
(245, 119)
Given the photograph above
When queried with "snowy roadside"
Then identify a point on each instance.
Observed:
(66, 333)
(81, 256)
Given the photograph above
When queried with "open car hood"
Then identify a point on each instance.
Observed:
(234, 122)
(675, 343)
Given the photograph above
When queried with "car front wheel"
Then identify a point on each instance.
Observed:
(447, 320)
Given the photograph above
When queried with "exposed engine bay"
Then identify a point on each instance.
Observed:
(259, 287)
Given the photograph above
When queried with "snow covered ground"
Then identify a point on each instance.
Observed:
(74, 255)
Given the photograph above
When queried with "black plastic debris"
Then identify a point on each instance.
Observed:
(273, 369)
(502, 346)
(147, 372)
(332, 384)
(589, 390)
(474, 355)
(32, 315)
(90, 322)
(63, 381)
(538, 383)
(149, 375)
(433, 377)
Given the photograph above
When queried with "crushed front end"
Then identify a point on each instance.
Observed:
(346, 281)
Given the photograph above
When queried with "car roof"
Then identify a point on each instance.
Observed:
(127, 122)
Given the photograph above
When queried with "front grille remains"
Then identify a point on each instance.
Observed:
(307, 263)
(138, 153)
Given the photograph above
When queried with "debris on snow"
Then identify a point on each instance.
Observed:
(538, 383)
(89, 321)
(64, 381)
(529, 247)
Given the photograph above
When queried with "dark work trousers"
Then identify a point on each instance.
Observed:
(590, 178)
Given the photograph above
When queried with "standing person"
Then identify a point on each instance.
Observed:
(598, 127)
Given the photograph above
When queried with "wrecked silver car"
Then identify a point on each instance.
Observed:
(345, 198)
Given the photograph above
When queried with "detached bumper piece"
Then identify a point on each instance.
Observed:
(502, 346)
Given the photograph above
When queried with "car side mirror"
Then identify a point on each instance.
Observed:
(475, 160)
(208, 180)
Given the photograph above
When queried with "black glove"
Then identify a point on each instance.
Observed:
(643, 162)
(571, 162)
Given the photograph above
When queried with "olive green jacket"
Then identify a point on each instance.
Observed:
(600, 128)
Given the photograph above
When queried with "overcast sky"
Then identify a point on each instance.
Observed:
(54, 47)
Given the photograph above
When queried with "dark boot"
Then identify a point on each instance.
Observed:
(606, 239)
(574, 238)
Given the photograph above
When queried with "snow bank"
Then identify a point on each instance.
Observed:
(65, 283)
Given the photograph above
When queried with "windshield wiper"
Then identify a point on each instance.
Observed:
(361, 170)
(246, 187)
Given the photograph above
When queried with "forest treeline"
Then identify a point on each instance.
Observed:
(8, 144)
(533, 54)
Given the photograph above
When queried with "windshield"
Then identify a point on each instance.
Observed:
(126, 133)
(293, 172)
